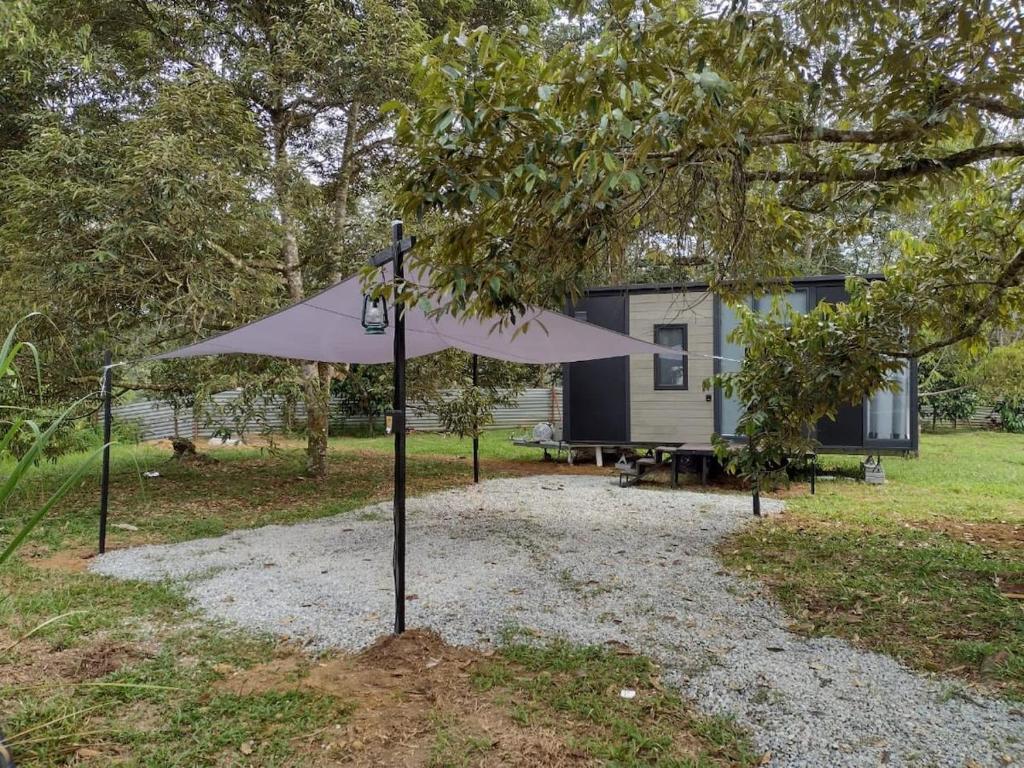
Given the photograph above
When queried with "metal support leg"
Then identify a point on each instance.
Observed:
(476, 437)
(814, 474)
(675, 470)
(757, 496)
(108, 380)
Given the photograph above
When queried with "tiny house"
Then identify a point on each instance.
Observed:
(648, 401)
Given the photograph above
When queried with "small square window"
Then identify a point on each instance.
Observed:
(670, 372)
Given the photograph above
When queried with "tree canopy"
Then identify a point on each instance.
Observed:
(726, 140)
(737, 146)
(171, 169)
(168, 169)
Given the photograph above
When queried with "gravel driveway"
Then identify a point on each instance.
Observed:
(581, 558)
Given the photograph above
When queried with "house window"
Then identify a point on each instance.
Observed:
(887, 413)
(670, 371)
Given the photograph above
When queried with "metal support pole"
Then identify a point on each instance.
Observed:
(476, 437)
(398, 424)
(814, 473)
(757, 495)
(106, 394)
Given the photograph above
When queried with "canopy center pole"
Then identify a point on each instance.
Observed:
(398, 424)
(476, 425)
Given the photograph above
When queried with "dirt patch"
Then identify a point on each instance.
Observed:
(994, 535)
(69, 560)
(413, 704)
(33, 661)
(98, 659)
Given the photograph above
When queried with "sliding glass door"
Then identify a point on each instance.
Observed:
(732, 353)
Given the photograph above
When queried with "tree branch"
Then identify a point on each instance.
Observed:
(992, 104)
(1007, 279)
(920, 167)
(809, 133)
(923, 395)
(126, 386)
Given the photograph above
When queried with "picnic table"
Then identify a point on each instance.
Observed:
(633, 473)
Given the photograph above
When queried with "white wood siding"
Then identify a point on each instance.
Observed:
(672, 416)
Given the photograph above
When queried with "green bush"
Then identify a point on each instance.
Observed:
(1000, 377)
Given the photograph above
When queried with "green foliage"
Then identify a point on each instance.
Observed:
(366, 390)
(725, 143)
(1000, 374)
(797, 370)
(13, 429)
(173, 169)
(1011, 417)
(944, 387)
(726, 147)
(442, 384)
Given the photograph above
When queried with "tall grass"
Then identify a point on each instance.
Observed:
(15, 422)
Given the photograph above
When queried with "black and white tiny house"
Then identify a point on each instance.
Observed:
(648, 401)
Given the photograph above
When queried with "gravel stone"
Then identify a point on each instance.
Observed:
(580, 558)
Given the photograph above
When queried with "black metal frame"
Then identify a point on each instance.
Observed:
(686, 360)
(476, 427)
(396, 254)
(881, 446)
(107, 396)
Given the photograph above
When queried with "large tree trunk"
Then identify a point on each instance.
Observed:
(316, 395)
(318, 416)
(325, 371)
(316, 377)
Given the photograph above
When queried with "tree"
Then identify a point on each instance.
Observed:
(729, 142)
(366, 391)
(176, 168)
(1000, 375)
(442, 384)
(944, 386)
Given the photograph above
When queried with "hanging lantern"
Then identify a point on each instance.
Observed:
(375, 315)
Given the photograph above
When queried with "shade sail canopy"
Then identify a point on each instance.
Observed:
(328, 328)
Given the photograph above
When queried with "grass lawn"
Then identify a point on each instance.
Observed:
(127, 674)
(924, 567)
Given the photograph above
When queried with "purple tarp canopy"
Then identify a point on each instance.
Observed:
(328, 328)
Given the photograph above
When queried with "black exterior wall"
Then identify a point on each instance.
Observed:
(596, 394)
